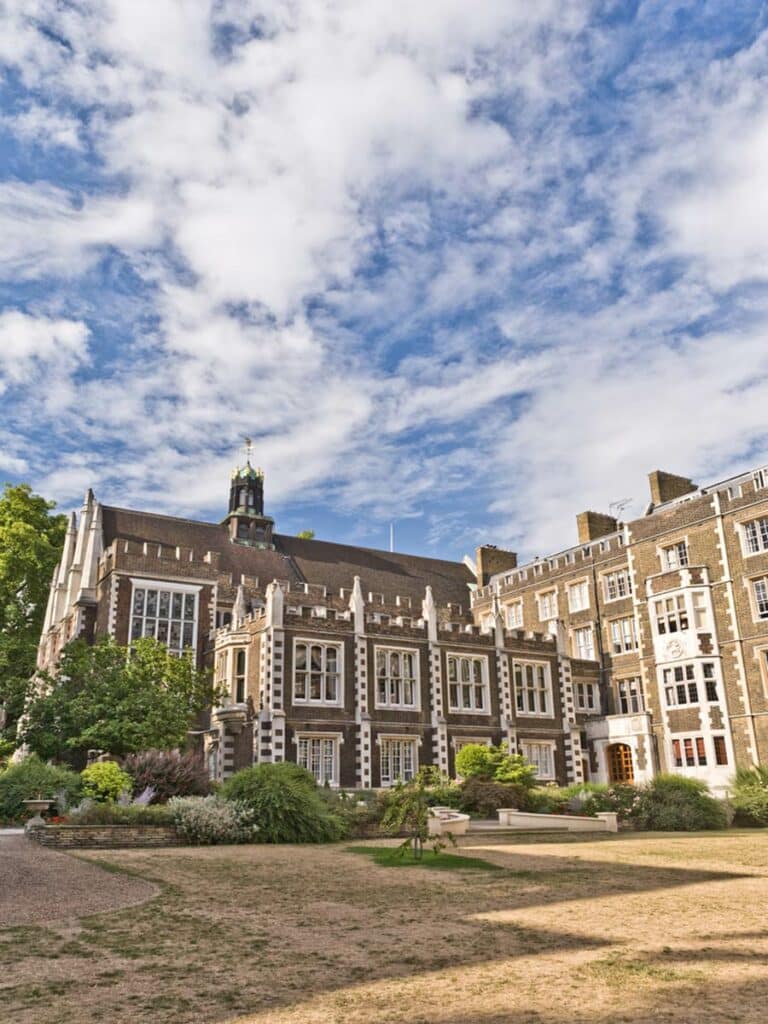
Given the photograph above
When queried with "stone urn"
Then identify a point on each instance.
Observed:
(38, 805)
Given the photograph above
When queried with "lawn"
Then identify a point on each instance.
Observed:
(607, 930)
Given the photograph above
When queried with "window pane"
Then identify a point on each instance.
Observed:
(138, 602)
(151, 602)
(176, 606)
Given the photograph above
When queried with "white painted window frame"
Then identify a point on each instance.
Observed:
(144, 583)
(606, 576)
(337, 738)
(307, 701)
(551, 746)
(386, 738)
(394, 649)
(576, 587)
(485, 674)
(547, 689)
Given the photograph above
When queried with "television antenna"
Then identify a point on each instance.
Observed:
(617, 507)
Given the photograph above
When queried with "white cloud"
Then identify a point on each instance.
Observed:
(388, 241)
(31, 347)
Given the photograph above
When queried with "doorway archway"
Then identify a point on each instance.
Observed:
(620, 768)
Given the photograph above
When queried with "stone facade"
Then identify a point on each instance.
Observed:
(674, 608)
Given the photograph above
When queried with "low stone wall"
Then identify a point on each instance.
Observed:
(605, 821)
(104, 837)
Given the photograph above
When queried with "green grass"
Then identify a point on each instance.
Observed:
(394, 857)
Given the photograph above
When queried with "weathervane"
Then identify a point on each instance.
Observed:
(248, 449)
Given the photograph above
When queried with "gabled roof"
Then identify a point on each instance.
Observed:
(298, 560)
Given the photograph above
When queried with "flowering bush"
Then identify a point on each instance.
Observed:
(105, 781)
(168, 773)
(591, 798)
(210, 820)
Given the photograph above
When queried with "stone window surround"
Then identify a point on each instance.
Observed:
(550, 592)
(741, 529)
(584, 707)
(384, 738)
(173, 587)
(624, 571)
(699, 680)
(483, 659)
(577, 652)
(393, 648)
(633, 631)
(508, 618)
(571, 587)
(550, 745)
(336, 737)
(311, 642)
(663, 551)
(549, 712)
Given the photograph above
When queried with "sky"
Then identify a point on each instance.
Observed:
(467, 267)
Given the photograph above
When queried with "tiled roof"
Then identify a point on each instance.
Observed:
(299, 560)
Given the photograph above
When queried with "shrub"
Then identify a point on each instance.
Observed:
(484, 797)
(749, 796)
(91, 813)
(286, 804)
(591, 798)
(27, 778)
(476, 760)
(674, 803)
(546, 800)
(105, 781)
(169, 773)
(357, 811)
(444, 794)
(211, 820)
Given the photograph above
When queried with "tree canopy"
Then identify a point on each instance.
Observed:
(31, 540)
(107, 697)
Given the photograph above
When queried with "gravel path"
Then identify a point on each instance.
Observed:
(39, 885)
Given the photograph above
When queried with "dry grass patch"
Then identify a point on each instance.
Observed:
(606, 930)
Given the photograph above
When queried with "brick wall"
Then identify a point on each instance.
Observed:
(104, 837)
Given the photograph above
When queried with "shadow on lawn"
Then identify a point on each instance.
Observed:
(289, 936)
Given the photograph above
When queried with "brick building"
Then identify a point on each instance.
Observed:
(645, 647)
(673, 607)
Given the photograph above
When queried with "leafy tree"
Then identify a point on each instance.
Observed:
(107, 697)
(477, 760)
(30, 545)
(306, 535)
(408, 812)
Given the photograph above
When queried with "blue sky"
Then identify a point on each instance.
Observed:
(471, 267)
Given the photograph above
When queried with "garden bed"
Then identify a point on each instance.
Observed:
(104, 837)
